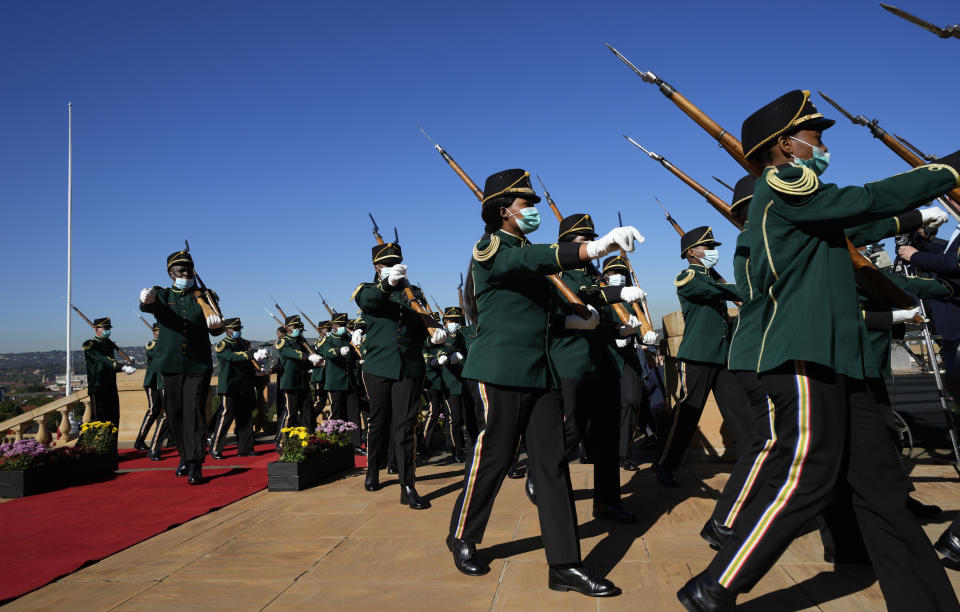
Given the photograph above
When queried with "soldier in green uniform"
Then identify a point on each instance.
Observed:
(339, 379)
(295, 360)
(280, 401)
(318, 373)
(152, 387)
(435, 391)
(702, 355)
(452, 357)
(235, 384)
(517, 385)
(102, 370)
(810, 363)
(393, 368)
(183, 348)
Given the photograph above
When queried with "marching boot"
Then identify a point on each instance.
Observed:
(629, 465)
(181, 470)
(409, 496)
(196, 474)
(921, 510)
(372, 482)
(140, 445)
(465, 557)
(391, 469)
(949, 546)
(614, 512)
(530, 490)
(216, 454)
(516, 471)
(704, 594)
(458, 457)
(715, 534)
(154, 455)
(577, 578)
(665, 476)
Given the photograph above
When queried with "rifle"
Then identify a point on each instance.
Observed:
(460, 291)
(272, 316)
(910, 146)
(867, 274)
(300, 340)
(280, 310)
(209, 304)
(412, 299)
(618, 308)
(150, 327)
(947, 32)
(325, 305)
(90, 323)
(437, 304)
(679, 230)
(575, 302)
(724, 184)
(897, 145)
(304, 315)
(646, 322)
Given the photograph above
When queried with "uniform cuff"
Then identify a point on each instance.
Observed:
(909, 221)
(878, 320)
(568, 255)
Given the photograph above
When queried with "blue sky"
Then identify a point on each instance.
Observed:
(265, 132)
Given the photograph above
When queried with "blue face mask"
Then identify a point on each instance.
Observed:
(529, 219)
(710, 258)
(183, 283)
(818, 163)
(235, 335)
(295, 333)
(341, 331)
(105, 333)
(617, 280)
(453, 327)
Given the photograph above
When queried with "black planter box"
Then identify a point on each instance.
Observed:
(303, 475)
(67, 474)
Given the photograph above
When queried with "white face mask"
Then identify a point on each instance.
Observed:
(453, 327)
(183, 283)
(710, 258)
(617, 280)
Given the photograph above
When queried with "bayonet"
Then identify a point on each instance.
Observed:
(396, 235)
(909, 145)
(376, 229)
(947, 32)
(272, 316)
(325, 305)
(722, 183)
(549, 199)
(277, 306)
(455, 166)
(670, 220)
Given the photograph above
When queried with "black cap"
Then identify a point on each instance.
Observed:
(102, 322)
(339, 318)
(388, 253)
(579, 224)
(743, 192)
(293, 320)
(232, 323)
(453, 313)
(791, 112)
(615, 263)
(155, 327)
(180, 258)
(515, 182)
(696, 237)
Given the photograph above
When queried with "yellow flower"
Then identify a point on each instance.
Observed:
(304, 443)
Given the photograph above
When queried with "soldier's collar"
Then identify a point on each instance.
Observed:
(175, 290)
(700, 268)
(520, 238)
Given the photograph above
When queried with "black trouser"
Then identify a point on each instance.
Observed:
(510, 412)
(154, 410)
(160, 435)
(476, 410)
(281, 406)
(437, 407)
(239, 407)
(184, 403)
(105, 405)
(393, 417)
(830, 430)
(632, 394)
(697, 380)
(455, 403)
(591, 411)
(752, 454)
(344, 406)
(298, 411)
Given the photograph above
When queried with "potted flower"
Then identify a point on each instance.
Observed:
(307, 458)
(99, 438)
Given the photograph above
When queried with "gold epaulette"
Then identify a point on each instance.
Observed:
(151, 344)
(684, 277)
(221, 345)
(488, 252)
(356, 291)
(88, 345)
(804, 185)
(320, 341)
(279, 344)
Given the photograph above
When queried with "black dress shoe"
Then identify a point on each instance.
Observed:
(704, 594)
(516, 471)
(715, 534)
(216, 455)
(949, 546)
(182, 470)
(530, 490)
(152, 456)
(247, 454)
(140, 445)
(391, 469)
(465, 557)
(458, 457)
(409, 496)
(196, 475)
(359, 452)
(372, 483)
(665, 477)
(921, 510)
(629, 465)
(576, 578)
(614, 513)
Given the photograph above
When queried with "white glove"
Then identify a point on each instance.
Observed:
(443, 359)
(575, 321)
(439, 336)
(128, 369)
(900, 316)
(214, 322)
(618, 238)
(622, 342)
(933, 217)
(456, 357)
(632, 294)
(651, 337)
(394, 274)
(344, 350)
(360, 362)
(148, 296)
(261, 372)
(356, 337)
(631, 327)
(314, 359)
(260, 354)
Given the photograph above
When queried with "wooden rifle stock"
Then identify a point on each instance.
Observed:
(90, 323)
(150, 327)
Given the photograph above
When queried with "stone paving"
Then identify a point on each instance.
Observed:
(337, 546)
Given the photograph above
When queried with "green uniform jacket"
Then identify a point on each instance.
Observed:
(582, 354)
(395, 332)
(626, 356)
(469, 333)
(102, 368)
(801, 266)
(151, 378)
(453, 372)
(703, 302)
(183, 346)
(295, 364)
(433, 374)
(236, 371)
(513, 308)
(338, 371)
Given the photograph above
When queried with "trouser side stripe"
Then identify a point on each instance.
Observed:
(752, 476)
(474, 464)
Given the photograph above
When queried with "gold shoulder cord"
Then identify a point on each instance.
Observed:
(490, 251)
(685, 277)
(221, 345)
(279, 343)
(805, 185)
(151, 344)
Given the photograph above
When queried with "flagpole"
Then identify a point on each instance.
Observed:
(69, 387)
